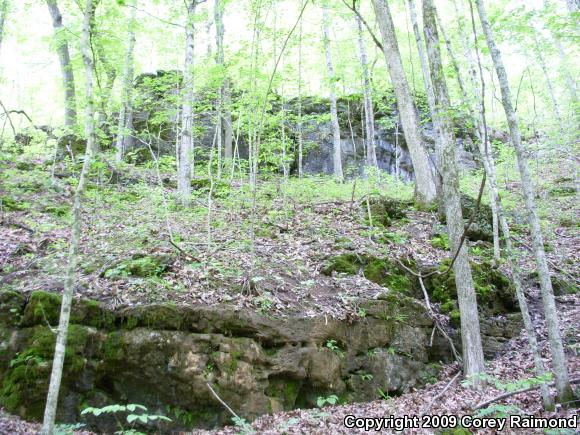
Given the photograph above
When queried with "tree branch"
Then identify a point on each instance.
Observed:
(355, 10)
(513, 393)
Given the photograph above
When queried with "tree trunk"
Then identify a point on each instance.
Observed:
(225, 116)
(498, 213)
(186, 143)
(3, 13)
(556, 347)
(368, 99)
(470, 333)
(69, 283)
(474, 116)
(68, 80)
(337, 155)
(300, 133)
(551, 90)
(426, 190)
(125, 114)
(105, 92)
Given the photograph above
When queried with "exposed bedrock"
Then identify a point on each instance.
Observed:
(162, 356)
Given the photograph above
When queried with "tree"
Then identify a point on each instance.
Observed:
(68, 80)
(300, 120)
(470, 332)
(69, 283)
(367, 97)
(552, 322)
(186, 143)
(489, 167)
(426, 189)
(481, 140)
(3, 12)
(124, 128)
(224, 123)
(337, 153)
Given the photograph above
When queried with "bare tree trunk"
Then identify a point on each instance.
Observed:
(186, 143)
(337, 156)
(452, 57)
(368, 99)
(68, 80)
(475, 117)
(422, 57)
(225, 135)
(549, 84)
(556, 347)
(426, 188)
(67, 297)
(470, 332)
(125, 114)
(3, 13)
(300, 132)
(499, 215)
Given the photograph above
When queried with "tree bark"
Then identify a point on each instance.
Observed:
(477, 119)
(368, 99)
(224, 113)
(125, 114)
(337, 154)
(68, 80)
(186, 143)
(300, 132)
(426, 189)
(556, 347)
(470, 332)
(67, 297)
(3, 13)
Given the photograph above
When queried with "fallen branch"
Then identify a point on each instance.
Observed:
(513, 393)
(221, 401)
(438, 396)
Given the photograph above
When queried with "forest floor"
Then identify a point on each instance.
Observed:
(265, 252)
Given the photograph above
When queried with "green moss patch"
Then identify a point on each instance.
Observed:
(11, 306)
(8, 203)
(495, 292)
(25, 384)
(381, 271)
(44, 307)
(142, 266)
(385, 210)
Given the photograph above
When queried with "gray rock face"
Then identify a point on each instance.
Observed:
(157, 114)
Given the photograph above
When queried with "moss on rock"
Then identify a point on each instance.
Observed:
(44, 307)
(142, 266)
(378, 270)
(385, 210)
(494, 290)
(25, 383)
(11, 306)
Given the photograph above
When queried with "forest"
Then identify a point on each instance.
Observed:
(289, 216)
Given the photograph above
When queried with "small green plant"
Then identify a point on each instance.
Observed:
(329, 400)
(391, 350)
(371, 353)
(366, 377)
(333, 346)
(265, 302)
(132, 418)
(383, 394)
(362, 313)
(67, 429)
(243, 426)
(440, 241)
